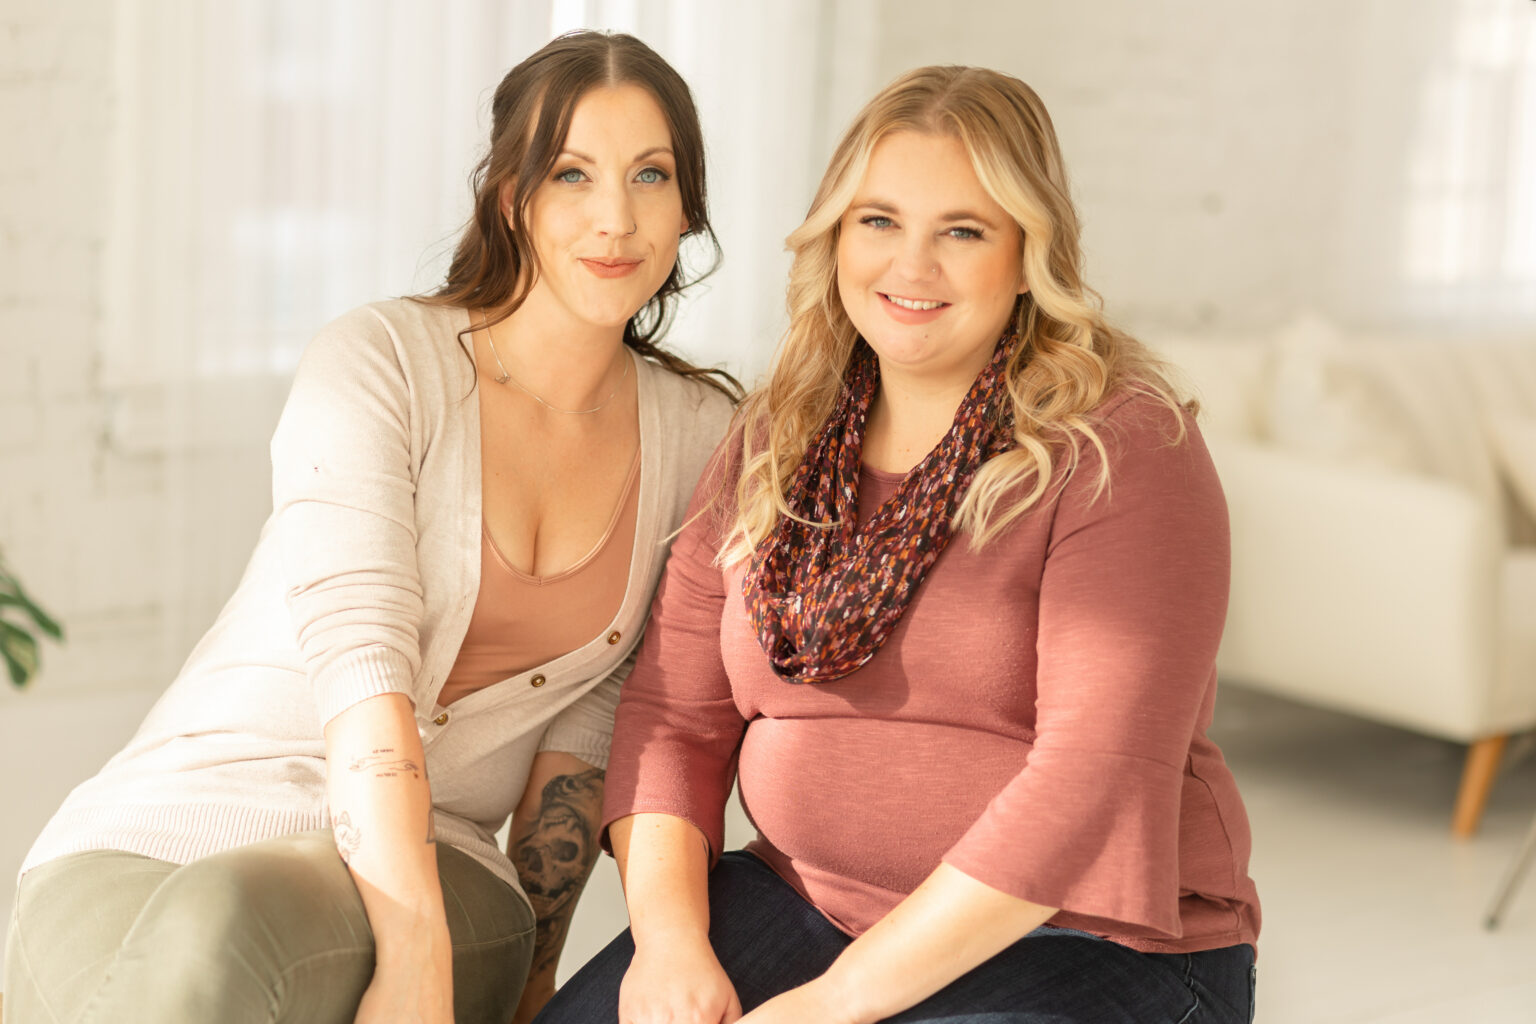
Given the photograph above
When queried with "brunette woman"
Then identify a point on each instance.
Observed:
(473, 493)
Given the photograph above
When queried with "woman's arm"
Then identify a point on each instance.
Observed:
(949, 925)
(675, 739)
(381, 812)
(674, 976)
(554, 844)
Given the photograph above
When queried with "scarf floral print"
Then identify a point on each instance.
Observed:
(823, 598)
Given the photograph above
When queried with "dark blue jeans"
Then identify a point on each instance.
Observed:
(769, 940)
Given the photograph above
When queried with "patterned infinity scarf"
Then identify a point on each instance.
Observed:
(823, 599)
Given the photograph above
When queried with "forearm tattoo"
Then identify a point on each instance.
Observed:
(554, 854)
(384, 764)
(348, 838)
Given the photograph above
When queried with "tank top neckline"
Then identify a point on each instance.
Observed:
(584, 560)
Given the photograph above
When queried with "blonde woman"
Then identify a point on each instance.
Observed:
(948, 611)
(473, 493)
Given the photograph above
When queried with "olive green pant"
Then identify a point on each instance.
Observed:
(274, 931)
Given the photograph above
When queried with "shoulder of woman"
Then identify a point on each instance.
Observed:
(1143, 438)
(412, 343)
(393, 324)
(692, 401)
(1141, 414)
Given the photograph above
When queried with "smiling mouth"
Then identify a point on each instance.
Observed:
(916, 305)
(610, 267)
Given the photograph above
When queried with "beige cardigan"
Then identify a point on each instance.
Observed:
(362, 583)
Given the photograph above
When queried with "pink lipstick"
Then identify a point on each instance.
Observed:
(610, 267)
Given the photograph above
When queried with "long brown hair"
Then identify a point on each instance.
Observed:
(494, 266)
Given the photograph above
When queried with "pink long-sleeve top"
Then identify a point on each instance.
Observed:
(1037, 719)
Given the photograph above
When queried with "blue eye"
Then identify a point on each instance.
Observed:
(966, 234)
(877, 222)
(652, 176)
(571, 176)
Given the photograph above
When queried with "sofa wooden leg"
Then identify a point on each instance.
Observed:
(1482, 766)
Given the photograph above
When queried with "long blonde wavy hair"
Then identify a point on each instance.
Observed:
(1068, 357)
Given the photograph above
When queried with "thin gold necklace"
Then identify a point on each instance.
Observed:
(507, 378)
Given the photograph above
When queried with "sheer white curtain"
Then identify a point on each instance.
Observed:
(281, 161)
(1471, 211)
(1438, 215)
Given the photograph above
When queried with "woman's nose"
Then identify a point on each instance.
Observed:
(916, 260)
(614, 213)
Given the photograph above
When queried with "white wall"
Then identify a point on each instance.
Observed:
(56, 113)
(1235, 163)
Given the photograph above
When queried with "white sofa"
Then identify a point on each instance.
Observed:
(1383, 503)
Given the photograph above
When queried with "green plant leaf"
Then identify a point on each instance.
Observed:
(19, 649)
(17, 598)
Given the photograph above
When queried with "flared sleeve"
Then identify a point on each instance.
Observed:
(678, 729)
(1132, 601)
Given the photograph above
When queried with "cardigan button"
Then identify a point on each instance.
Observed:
(441, 719)
(537, 681)
(613, 637)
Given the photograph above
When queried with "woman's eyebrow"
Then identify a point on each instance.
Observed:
(958, 215)
(647, 154)
(883, 206)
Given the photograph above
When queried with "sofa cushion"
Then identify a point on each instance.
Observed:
(1514, 448)
(1407, 404)
(1328, 401)
(1226, 375)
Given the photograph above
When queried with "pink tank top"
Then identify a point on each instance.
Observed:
(521, 621)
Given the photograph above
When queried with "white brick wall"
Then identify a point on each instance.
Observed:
(132, 545)
(1221, 153)
(77, 519)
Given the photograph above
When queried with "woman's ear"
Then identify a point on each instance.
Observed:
(506, 195)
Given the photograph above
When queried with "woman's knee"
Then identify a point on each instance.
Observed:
(262, 909)
(591, 996)
(240, 936)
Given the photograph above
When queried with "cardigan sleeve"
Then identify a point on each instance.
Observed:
(344, 508)
(1132, 600)
(677, 729)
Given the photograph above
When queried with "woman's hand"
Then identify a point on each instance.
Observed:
(948, 925)
(674, 977)
(678, 982)
(412, 993)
